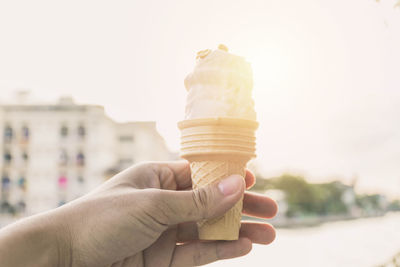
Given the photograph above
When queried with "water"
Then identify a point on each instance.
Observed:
(356, 243)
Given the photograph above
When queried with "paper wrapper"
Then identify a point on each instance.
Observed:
(217, 148)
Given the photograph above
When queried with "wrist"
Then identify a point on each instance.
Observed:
(35, 241)
(60, 231)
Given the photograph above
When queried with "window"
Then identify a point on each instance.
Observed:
(81, 131)
(5, 183)
(21, 206)
(25, 156)
(64, 131)
(63, 157)
(7, 157)
(80, 159)
(126, 138)
(62, 182)
(25, 133)
(8, 134)
(80, 179)
(126, 162)
(22, 183)
(6, 207)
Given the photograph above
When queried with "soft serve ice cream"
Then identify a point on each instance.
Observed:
(220, 86)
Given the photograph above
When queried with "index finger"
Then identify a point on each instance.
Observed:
(182, 173)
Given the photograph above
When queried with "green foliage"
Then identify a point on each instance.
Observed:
(330, 198)
(304, 198)
(394, 205)
(261, 184)
(299, 195)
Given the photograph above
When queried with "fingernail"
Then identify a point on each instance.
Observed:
(230, 185)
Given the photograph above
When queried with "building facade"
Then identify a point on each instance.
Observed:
(52, 154)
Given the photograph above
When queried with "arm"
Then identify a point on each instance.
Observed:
(34, 241)
(144, 216)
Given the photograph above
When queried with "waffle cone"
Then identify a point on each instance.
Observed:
(217, 148)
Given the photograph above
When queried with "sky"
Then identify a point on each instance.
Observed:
(326, 73)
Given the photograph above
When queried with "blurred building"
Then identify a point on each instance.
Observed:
(52, 154)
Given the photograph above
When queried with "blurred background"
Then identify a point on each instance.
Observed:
(88, 88)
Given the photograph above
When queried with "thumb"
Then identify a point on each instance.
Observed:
(202, 203)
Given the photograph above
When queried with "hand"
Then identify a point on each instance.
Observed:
(138, 217)
(144, 216)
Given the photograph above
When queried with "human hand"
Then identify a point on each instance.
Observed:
(145, 216)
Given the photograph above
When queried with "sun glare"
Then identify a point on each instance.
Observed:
(271, 69)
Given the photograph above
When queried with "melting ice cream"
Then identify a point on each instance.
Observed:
(220, 86)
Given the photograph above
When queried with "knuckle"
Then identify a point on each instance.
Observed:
(146, 167)
(156, 209)
(166, 173)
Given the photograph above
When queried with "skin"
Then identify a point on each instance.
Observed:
(143, 216)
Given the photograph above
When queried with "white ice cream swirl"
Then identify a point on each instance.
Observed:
(220, 86)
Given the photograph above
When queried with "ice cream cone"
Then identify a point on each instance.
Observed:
(217, 148)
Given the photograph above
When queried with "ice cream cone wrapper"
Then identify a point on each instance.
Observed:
(217, 148)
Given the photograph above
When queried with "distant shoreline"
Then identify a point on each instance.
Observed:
(313, 221)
